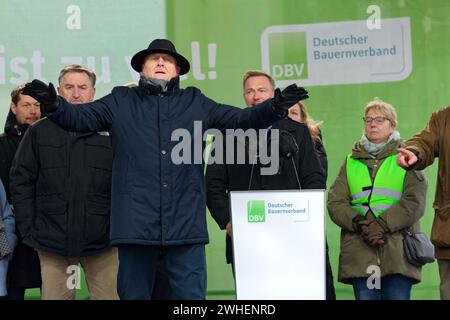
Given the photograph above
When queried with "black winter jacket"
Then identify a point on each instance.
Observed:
(24, 269)
(9, 142)
(61, 190)
(156, 200)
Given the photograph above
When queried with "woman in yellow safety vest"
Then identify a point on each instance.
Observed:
(372, 200)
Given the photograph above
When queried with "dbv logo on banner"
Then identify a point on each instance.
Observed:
(337, 53)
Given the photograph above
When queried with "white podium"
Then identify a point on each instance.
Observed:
(279, 244)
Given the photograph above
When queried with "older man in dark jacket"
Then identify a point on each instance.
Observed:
(158, 201)
(24, 270)
(61, 191)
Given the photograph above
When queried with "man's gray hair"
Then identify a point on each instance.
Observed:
(78, 68)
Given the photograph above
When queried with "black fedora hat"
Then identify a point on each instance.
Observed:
(160, 46)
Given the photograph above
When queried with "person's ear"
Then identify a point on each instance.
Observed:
(393, 126)
(178, 70)
(13, 108)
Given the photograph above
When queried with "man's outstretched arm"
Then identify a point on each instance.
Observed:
(87, 117)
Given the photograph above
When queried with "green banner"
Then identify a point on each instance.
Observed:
(39, 38)
(394, 50)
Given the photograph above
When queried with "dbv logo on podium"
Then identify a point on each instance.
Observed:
(256, 211)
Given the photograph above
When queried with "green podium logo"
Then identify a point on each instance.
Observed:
(256, 211)
(287, 56)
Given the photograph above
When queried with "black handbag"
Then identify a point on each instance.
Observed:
(418, 248)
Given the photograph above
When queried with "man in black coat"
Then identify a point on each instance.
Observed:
(299, 166)
(61, 191)
(24, 270)
(158, 192)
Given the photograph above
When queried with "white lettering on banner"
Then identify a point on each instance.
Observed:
(212, 60)
(22, 69)
(16, 68)
(73, 22)
(196, 64)
(287, 70)
(344, 52)
(20, 66)
(196, 61)
(104, 75)
(37, 60)
(374, 21)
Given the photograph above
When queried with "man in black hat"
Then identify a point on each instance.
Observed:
(158, 205)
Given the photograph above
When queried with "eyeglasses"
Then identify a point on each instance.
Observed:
(378, 120)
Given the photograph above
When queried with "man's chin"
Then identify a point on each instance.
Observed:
(161, 76)
(30, 122)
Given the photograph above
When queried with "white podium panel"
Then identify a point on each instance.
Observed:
(279, 244)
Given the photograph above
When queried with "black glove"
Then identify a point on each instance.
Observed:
(288, 145)
(285, 99)
(44, 94)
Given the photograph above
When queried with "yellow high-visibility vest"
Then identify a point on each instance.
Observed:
(387, 187)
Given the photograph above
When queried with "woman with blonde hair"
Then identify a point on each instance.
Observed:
(299, 113)
(373, 200)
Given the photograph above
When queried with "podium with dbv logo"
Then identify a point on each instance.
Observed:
(279, 244)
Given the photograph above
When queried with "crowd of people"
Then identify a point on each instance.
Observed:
(91, 184)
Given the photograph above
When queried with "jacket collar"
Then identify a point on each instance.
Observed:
(172, 87)
(358, 152)
(12, 127)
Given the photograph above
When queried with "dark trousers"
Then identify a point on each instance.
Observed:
(185, 266)
(161, 287)
(14, 294)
